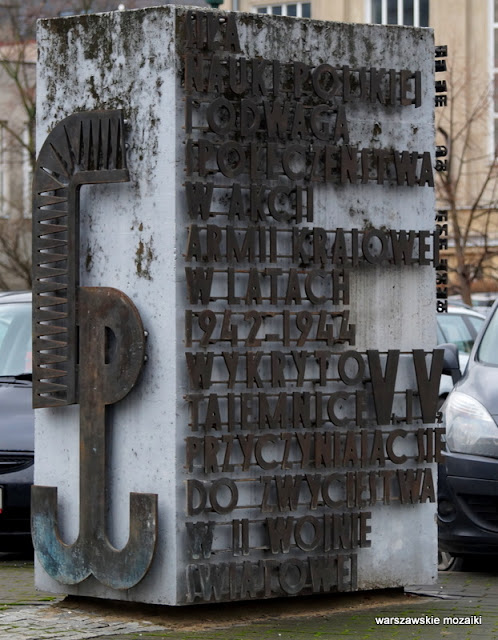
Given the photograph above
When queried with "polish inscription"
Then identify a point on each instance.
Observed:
(294, 436)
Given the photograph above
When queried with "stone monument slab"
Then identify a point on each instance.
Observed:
(247, 202)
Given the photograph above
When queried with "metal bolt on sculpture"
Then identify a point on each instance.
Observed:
(88, 348)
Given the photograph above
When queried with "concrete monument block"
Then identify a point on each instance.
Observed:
(247, 201)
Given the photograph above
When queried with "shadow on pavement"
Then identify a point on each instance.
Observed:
(484, 564)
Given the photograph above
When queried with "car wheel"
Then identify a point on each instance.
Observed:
(448, 562)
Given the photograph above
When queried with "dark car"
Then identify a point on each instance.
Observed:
(16, 421)
(460, 326)
(468, 479)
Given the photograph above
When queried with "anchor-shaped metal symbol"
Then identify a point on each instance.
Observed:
(86, 148)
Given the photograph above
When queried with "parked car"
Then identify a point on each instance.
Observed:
(483, 301)
(480, 301)
(460, 326)
(16, 421)
(468, 478)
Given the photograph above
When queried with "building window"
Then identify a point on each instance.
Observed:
(411, 13)
(295, 9)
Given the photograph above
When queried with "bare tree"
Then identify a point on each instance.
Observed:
(17, 125)
(15, 253)
(17, 158)
(468, 190)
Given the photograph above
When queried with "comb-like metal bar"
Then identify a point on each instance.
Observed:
(85, 148)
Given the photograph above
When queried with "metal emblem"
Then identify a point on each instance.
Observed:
(88, 348)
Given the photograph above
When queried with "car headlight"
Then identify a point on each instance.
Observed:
(469, 426)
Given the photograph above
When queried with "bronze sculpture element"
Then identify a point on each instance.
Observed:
(88, 348)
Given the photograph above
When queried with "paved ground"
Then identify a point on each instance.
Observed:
(468, 601)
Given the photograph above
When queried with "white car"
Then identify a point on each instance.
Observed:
(460, 326)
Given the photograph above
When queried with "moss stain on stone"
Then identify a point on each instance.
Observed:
(88, 260)
(144, 257)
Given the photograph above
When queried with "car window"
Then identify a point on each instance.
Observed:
(4, 325)
(488, 349)
(15, 339)
(440, 335)
(455, 330)
(476, 322)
